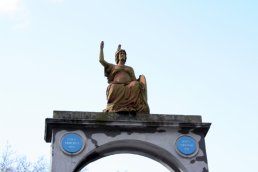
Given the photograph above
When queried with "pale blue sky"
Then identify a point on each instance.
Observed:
(199, 57)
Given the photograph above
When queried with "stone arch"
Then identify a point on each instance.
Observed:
(158, 137)
(134, 147)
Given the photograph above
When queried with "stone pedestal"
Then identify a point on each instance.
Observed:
(79, 138)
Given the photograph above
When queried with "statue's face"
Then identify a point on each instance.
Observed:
(122, 56)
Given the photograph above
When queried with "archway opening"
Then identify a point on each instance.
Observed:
(125, 162)
(133, 148)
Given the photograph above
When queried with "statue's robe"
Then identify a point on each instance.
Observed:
(125, 97)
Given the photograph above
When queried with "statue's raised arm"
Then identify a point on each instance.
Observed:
(101, 54)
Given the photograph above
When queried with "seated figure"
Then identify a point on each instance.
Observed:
(124, 93)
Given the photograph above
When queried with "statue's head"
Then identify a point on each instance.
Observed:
(119, 53)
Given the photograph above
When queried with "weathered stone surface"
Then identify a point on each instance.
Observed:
(109, 116)
(150, 135)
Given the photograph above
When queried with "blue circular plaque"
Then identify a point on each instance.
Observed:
(72, 143)
(186, 145)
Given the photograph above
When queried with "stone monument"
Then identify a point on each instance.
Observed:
(126, 126)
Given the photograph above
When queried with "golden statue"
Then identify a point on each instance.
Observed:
(125, 93)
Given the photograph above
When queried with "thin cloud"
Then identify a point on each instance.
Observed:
(22, 19)
(17, 12)
(9, 7)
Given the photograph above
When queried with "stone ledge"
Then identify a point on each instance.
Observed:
(70, 120)
(110, 116)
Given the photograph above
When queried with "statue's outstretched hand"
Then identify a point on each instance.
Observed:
(102, 45)
(101, 54)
